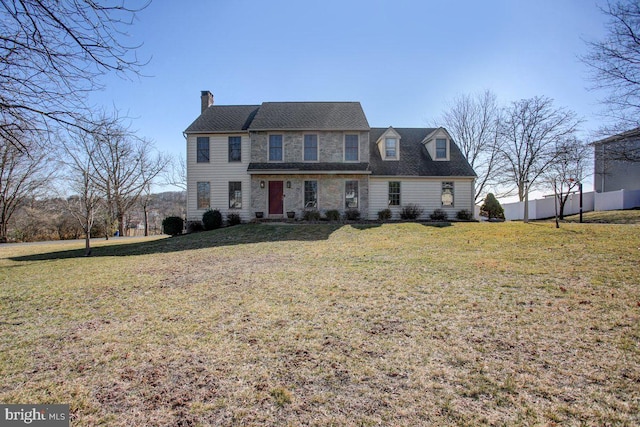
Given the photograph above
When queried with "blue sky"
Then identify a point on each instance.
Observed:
(403, 60)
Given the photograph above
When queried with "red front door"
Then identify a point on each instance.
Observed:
(275, 198)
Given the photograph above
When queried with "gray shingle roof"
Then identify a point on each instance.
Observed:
(310, 116)
(630, 134)
(414, 158)
(309, 167)
(224, 118)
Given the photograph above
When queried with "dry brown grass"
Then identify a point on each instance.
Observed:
(405, 324)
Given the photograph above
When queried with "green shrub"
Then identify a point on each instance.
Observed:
(212, 219)
(438, 215)
(411, 211)
(384, 215)
(233, 219)
(172, 225)
(464, 215)
(333, 215)
(352, 214)
(491, 207)
(194, 226)
(311, 215)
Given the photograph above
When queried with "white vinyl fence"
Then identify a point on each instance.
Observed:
(591, 201)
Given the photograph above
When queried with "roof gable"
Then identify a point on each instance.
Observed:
(323, 116)
(224, 118)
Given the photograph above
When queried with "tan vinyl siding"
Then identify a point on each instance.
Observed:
(219, 172)
(425, 192)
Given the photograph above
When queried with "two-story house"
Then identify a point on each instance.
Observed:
(281, 157)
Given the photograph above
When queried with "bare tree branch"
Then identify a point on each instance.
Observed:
(52, 54)
(473, 123)
(22, 176)
(615, 65)
(123, 166)
(530, 130)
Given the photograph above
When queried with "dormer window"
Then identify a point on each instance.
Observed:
(441, 149)
(389, 144)
(391, 148)
(438, 145)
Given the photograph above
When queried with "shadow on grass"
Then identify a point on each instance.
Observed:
(238, 235)
(230, 236)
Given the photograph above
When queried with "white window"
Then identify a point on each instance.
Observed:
(202, 149)
(235, 149)
(394, 193)
(441, 148)
(204, 195)
(351, 148)
(235, 195)
(391, 148)
(275, 148)
(311, 194)
(447, 194)
(311, 148)
(351, 194)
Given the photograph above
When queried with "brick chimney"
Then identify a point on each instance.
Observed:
(206, 100)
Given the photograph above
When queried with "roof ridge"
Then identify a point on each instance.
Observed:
(311, 102)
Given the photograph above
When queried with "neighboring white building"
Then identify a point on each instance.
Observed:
(281, 157)
(617, 162)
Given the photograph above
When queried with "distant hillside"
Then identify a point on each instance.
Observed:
(49, 219)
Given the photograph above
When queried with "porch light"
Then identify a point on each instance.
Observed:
(288, 184)
(261, 184)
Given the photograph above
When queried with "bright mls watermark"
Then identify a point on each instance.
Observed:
(34, 415)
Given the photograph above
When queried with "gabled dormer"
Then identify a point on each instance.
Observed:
(389, 145)
(438, 145)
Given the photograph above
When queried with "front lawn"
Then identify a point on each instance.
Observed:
(327, 324)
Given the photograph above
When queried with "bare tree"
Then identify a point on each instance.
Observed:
(569, 169)
(175, 173)
(124, 165)
(53, 53)
(530, 130)
(473, 121)
(615, 64)
(86, 199)
(22, 177)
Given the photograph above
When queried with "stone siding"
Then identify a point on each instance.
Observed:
(330, 192)
(331, 146)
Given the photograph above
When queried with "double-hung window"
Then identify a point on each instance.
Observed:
(390, 148)
(311, 148)
(311, 194)
(441, 148)
(447, 193)
(202, 149)
(394, 193)
(235, 149)
(351, 194)
(275, 148)
(351, 148)
(235, 195)
(204, 195)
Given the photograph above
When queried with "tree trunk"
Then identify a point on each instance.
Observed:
(146, 221)
(121, 223)
(87, 238)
